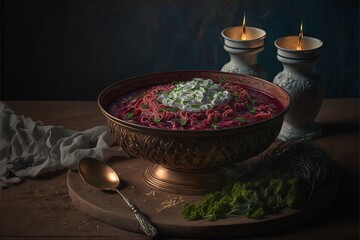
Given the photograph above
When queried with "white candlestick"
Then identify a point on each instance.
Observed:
(304, 85)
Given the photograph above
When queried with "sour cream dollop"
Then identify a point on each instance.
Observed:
(195, 96)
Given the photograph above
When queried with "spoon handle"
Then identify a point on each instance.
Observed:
(147, 227)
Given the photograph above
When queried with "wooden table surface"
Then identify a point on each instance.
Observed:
(41, 208)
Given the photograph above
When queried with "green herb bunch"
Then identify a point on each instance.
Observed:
(285, 177)
(253, 198)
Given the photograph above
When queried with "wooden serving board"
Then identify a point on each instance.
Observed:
(110, 208)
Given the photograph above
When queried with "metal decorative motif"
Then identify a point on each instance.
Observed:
(146, 226)
(194, 153)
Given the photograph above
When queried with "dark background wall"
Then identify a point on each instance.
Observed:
(72, 49)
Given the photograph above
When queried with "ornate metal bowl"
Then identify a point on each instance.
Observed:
(192, 162)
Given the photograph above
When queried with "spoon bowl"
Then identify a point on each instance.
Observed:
(98, 174)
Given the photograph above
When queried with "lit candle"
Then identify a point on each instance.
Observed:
(298, 43)
(244, 43)
(244, 35)
(299, 47)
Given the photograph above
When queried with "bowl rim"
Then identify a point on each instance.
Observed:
(135, 126)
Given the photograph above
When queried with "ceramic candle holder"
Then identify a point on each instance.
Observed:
(243, 53)
(304, 85)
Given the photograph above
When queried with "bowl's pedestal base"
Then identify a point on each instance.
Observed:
(193, 182)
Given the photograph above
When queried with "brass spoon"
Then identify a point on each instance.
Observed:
(102, 176)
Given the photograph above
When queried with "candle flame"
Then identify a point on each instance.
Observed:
(301, 35)
(243, 35)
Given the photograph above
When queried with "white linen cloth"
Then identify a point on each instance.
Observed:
(29, 149)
